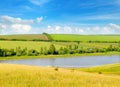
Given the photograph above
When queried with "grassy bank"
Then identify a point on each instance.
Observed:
(60, 56)
(105, 69)
(30, 76)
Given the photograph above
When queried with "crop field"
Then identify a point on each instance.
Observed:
(32, 76)
(73, 37)
(25, 37)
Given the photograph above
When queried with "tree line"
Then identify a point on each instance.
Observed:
(51, 50)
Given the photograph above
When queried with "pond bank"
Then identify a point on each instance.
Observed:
(58, 56)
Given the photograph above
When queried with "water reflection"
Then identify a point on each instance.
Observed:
(68, 62)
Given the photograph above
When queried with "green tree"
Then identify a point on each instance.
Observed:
(52, 49)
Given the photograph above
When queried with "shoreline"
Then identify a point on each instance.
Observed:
(59, 56)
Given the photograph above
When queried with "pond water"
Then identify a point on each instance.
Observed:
(75, 62)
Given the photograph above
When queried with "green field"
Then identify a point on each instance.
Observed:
(24, 37)
(74, 37)
(32, 76)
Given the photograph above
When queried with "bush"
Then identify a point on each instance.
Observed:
(33, 53)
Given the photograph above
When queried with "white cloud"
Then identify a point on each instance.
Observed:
(2, 26)
(10, 24)
(58, 29)
(39, 19)
(107, 29)
(111, 29)
(8, 19)
(39, 2)
(20, 28)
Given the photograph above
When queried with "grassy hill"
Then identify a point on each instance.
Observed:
(32, 76)
(74, 37)
(24, 37)
(105, 69)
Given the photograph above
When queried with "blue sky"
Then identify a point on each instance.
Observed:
(60, 16)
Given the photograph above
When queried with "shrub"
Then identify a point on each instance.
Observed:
(33, 52)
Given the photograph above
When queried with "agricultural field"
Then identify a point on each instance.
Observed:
(24, 37)
(74, 37)
(32, 76)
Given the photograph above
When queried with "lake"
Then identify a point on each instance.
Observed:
(73, 62)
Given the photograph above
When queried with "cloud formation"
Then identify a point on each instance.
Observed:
(107, 29)
(10, 24)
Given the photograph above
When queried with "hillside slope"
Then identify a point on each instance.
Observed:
(24, 37)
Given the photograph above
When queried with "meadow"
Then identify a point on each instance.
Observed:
(74, 37)
(32, 76)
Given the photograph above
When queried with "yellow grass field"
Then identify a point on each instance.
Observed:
(32, 76)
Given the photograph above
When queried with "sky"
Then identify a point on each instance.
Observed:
(60, 16)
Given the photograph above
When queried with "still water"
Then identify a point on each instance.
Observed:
(75, 62)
